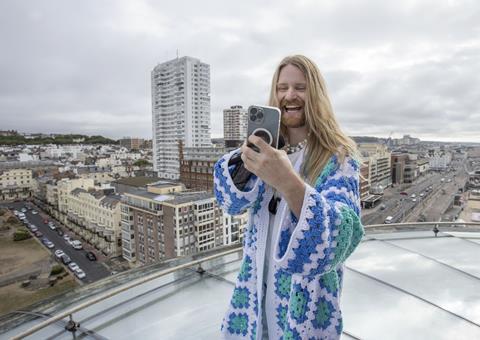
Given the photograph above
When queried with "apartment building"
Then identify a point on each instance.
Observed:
(234, 126)
(141, 208)
(64, 187)
(234, 228)
(180, 111)
(196, 166)
(131, 143)
(439, 159)
(94, 215)
(364, 179)
(380, 163)
(159, 223)
(100, 175)
(16, 184)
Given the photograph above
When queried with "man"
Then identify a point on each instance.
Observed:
(290, 279)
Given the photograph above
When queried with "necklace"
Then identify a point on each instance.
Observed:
(294, 148)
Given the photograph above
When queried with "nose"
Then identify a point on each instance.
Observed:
(291, 94)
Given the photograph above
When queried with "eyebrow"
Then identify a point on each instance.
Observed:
(296, 84)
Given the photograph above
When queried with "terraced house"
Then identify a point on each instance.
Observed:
(15, 184)
(95, 216)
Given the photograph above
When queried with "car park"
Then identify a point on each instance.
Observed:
(91, 256)
(76, 244)
(80, 273)
(73, 266)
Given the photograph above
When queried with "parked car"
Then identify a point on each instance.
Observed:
(80, 273)
(59, 232)
(38, 233)
(389, 220)
(51, 225)
(45, 221)
(77, 245)
(66, 238)
(49, 245)
(91, 256)
(59, 253)
(65, 259)
(34, 212)
(73, 266)
(413, 196)
(33, 228)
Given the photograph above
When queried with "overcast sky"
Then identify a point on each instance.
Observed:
(400, 67)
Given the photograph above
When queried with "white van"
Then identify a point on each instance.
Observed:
(388, 220)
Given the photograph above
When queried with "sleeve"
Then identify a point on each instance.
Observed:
(232, 200)
(328, 229)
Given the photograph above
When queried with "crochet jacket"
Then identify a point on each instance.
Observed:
(309, 253)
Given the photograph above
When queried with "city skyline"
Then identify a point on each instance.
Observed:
(390, 68)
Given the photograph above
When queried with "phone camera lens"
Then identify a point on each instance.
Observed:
(253, 111)
(260, 115)
(253, 117)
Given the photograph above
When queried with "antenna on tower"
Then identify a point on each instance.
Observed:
(177, 53)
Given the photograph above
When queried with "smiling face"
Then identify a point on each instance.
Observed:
(291, 94)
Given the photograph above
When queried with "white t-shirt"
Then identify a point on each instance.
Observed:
(268, 276)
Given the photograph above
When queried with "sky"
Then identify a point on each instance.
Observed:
(391, 67)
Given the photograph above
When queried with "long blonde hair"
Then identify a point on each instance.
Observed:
(325, 138)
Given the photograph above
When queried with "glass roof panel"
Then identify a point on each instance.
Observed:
(421, 276)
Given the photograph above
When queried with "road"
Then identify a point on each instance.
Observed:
(432, 205)
(94, 270)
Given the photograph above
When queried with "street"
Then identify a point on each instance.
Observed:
(398, 201)
(94, 270)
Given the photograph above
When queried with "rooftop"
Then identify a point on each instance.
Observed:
(419, 285)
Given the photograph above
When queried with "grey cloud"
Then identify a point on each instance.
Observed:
(402, 67)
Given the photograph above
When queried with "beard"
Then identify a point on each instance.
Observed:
(293, 119)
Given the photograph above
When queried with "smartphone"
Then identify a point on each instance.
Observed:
(264, 122)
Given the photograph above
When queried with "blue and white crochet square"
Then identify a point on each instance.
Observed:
(308, 256)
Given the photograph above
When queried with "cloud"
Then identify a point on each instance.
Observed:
(406, 68)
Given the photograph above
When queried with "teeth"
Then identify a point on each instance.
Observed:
(293, 108)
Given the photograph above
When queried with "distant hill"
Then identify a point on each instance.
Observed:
(367, 139)
(55, 139)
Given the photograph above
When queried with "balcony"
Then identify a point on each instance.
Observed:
(420, 283)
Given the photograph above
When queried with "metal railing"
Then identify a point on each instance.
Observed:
(69, 313)
(116, 291)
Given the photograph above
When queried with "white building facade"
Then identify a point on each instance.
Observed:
(180, 111)
(234, 126)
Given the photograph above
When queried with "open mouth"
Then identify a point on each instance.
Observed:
(292, 108)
